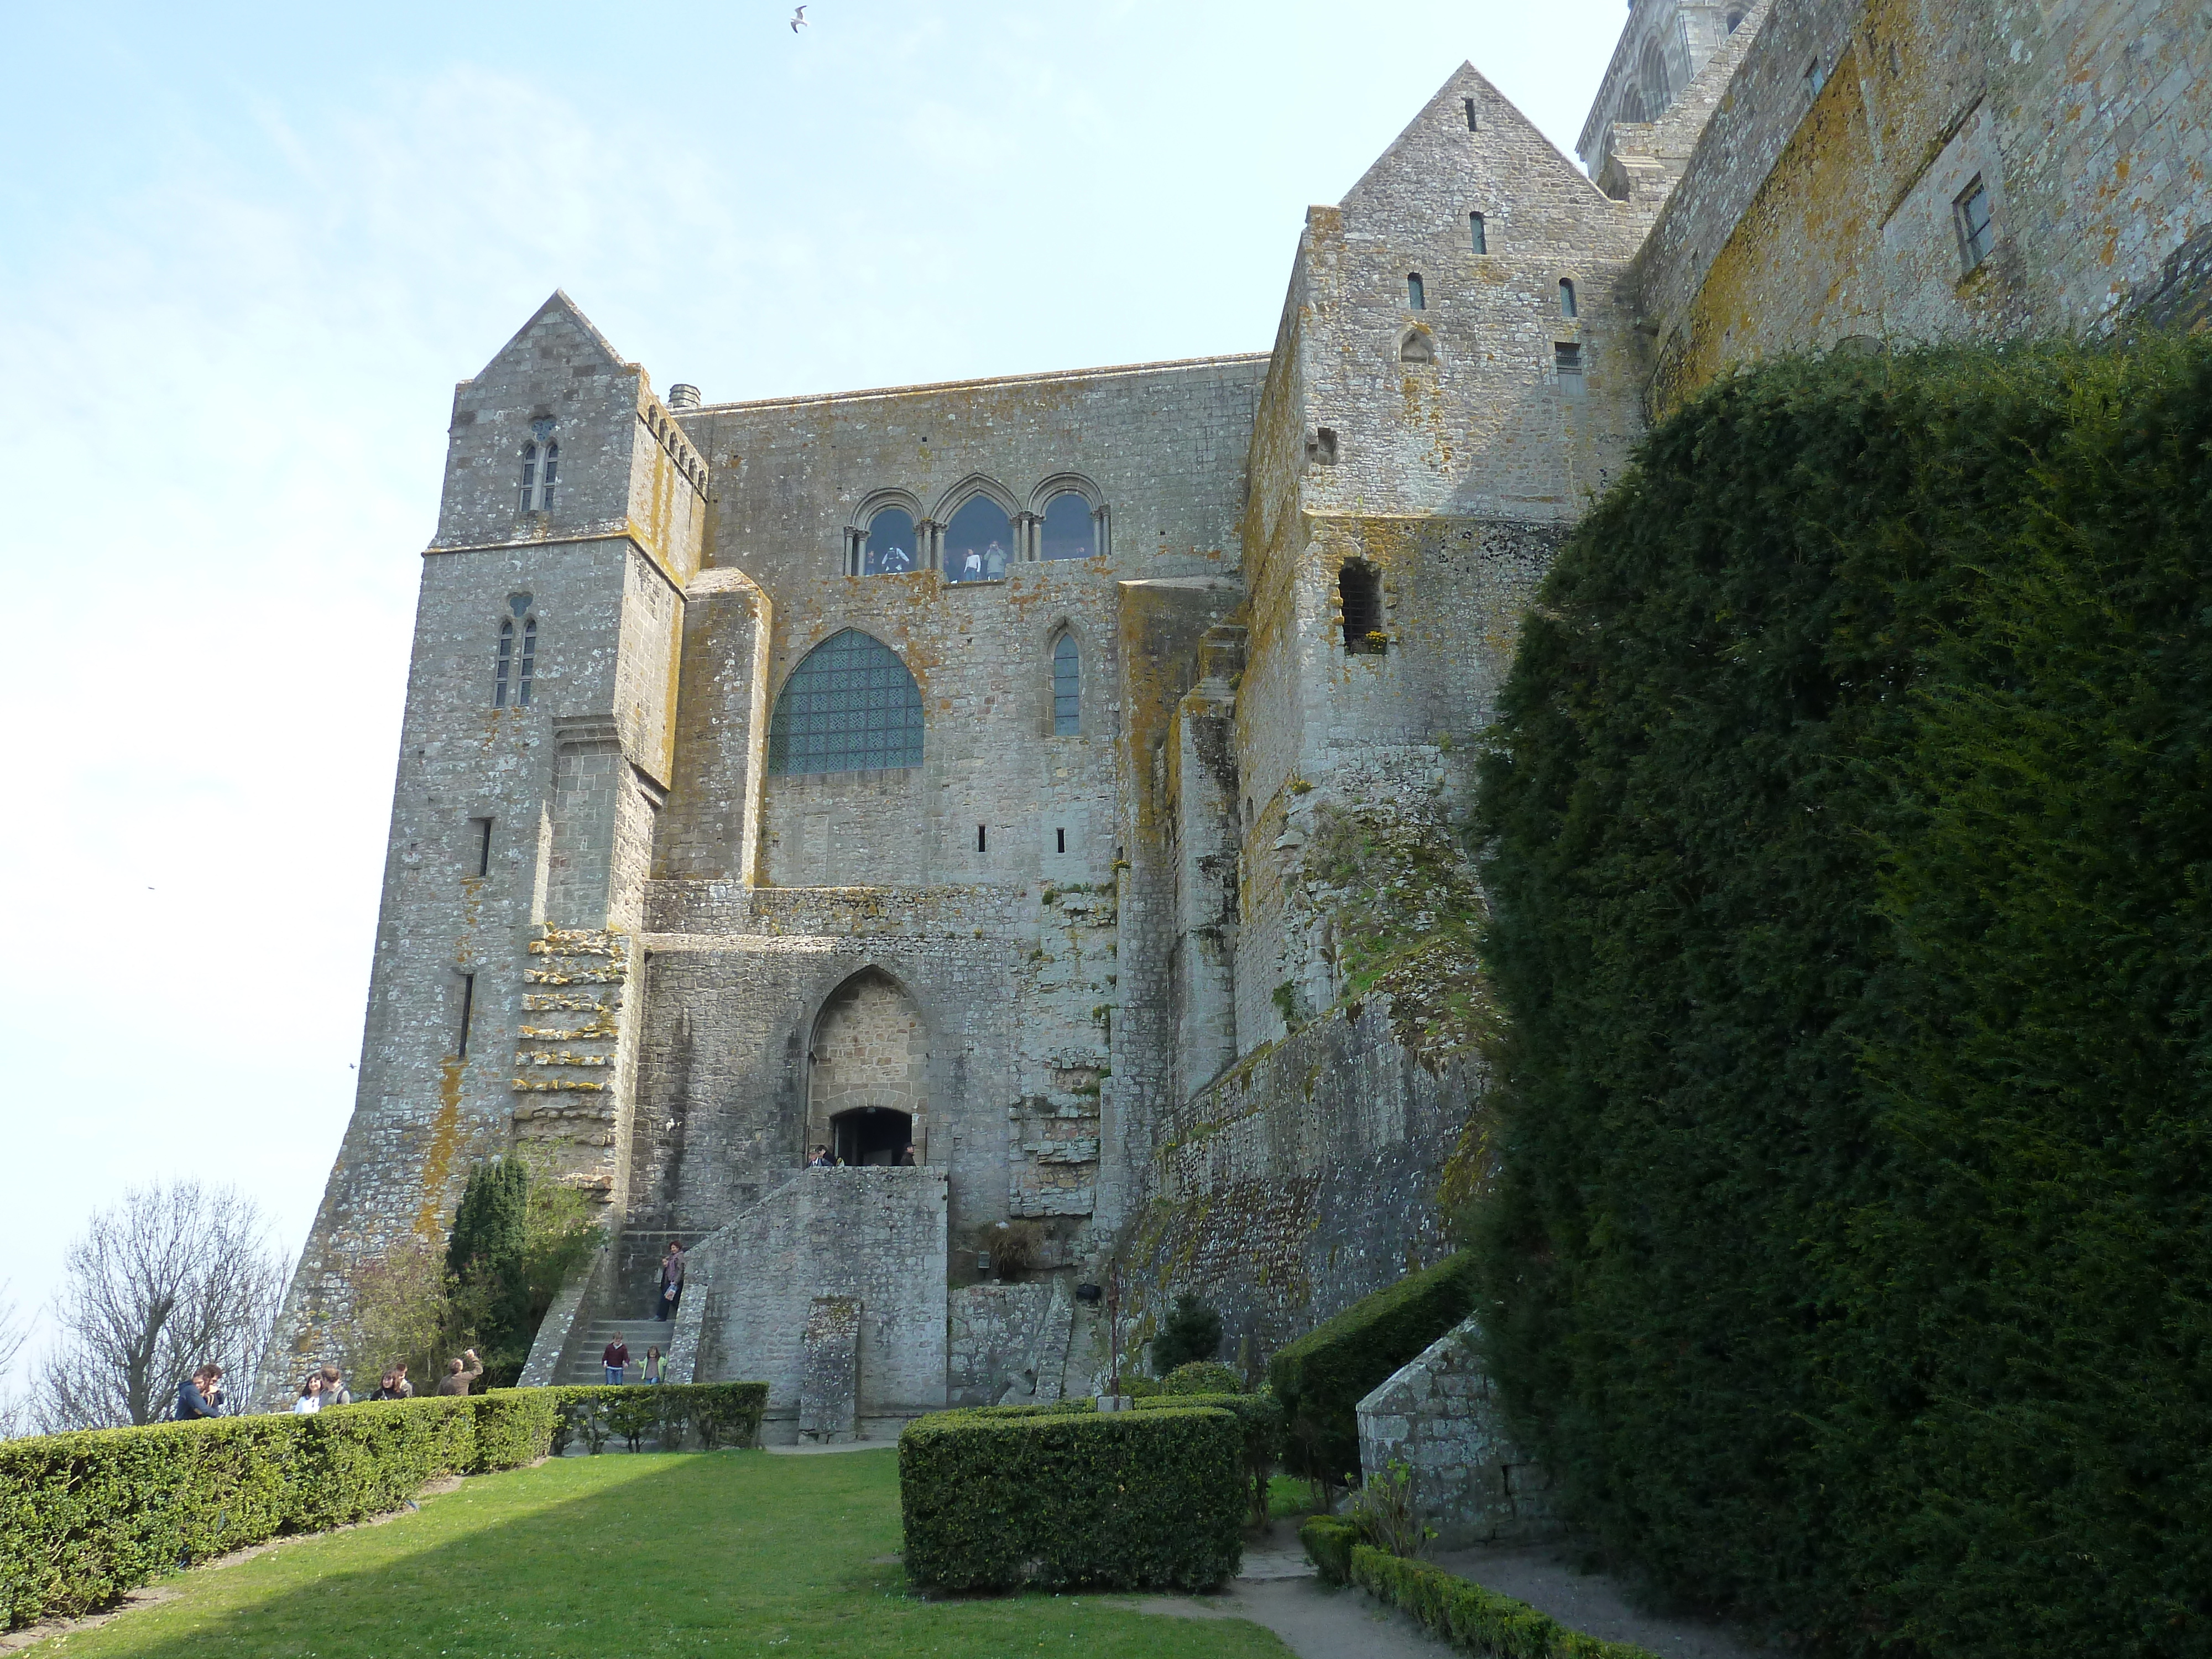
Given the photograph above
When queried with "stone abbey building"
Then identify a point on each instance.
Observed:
(1059, 776)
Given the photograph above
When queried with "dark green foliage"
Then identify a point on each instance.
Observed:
(517, 1234)
(85, 1517)
(718, 1413)
(1850, 842)
(1193, 1332)
(1322, 1377)
(1328, 1541)
(1260, 1413)
(1129, 1500)
(1202, 1376)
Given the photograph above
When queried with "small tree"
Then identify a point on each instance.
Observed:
(1193, 1332)
(517, 1234)
(172, 1278)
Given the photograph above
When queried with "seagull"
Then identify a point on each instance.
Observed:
(799, 19)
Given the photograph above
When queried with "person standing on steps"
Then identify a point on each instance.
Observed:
(198, 1396)
(653, 1366)
(615, 1359)
(672, 1281)
(458, 1377)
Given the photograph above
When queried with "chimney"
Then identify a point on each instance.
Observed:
(683, 397)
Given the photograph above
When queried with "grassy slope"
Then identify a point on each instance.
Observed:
(717, 1553)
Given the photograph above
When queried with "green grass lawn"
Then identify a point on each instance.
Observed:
(611, 1557)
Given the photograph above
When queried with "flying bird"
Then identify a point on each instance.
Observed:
(799, 20)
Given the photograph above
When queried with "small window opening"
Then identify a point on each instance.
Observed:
(506, 664)
(1067, 688)
(1735, 21)
(1567, 360)
(1417, 346)
(468, 1008)
(1360, 592)
(1567, 297)
(1059, 841)
(1321, 449)
(1415, 298)
(1471, 124)
(982, 845)
(480, 832)
(1975, 225)
(1476, 233)
(526, 668)
(1815, 77)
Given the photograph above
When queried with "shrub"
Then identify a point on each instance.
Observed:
(1202, 1376)
(1322, 1377)
(1015, 1247)
(722, 1414)
(1193, 1332)
(1261, 1416)
(1123, 1499)
(85, 1517)
(1388, 1511)
(1846, 819)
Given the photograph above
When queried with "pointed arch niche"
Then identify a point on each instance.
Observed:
(867, 1087)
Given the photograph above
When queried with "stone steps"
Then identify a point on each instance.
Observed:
(639, 1333)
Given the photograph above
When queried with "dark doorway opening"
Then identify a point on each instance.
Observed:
(870, 1134)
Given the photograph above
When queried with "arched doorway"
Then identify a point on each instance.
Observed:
(870, 1134)
(867, 1088)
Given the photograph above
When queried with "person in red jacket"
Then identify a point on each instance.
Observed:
(615, 1359)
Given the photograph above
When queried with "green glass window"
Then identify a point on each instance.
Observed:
(850, 706)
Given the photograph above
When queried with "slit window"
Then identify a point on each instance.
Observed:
(1067, 687)
(480, 845)
(468, 1008)
(1976, 224)
(1359, 593)
(1567, 297)
(525, 668)
(1059, 841)
(1476, 234)
(1473, 125)
(1416, 296)
(1567, 360)
(979, 839)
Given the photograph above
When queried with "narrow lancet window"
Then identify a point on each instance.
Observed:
(1473, 125)
(1067, 687)
(1567, 297)
(506, 665)
(526, 668)
(1976, 224)
(1475, 232)
(1416, 298)
(541, 463)
(468, 1008)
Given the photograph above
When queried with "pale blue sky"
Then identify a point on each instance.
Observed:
(246, 252)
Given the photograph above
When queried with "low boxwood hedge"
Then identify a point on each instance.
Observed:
(1261, 1416)
(1322, 1377)
(1471, 1618)
(719, 1414)
(1127, 1500)
(85, 1518)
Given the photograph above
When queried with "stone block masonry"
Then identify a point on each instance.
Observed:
(1160, 941)
(829, 1379)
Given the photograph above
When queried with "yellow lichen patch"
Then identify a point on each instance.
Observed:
(445, 1138)
(557, 1085)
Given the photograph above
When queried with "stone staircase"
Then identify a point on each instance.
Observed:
(639, 1333)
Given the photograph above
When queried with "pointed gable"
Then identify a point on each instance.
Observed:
(557, 329)
(1438, 152)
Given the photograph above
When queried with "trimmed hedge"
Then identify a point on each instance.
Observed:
(1126, 1500)
(1202, 1376)
(1474, 1620)
(719, 1414)
(1262, 1417)
(1850, 830)
(85, 1518)
(1322, 1377)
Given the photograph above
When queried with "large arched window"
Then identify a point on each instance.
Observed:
(888, 549)
(850, 706)
(978, 541)
(1066, 687)
(1070, 531)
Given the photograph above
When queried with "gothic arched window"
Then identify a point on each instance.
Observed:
(888, 549)
(1066, 687)
(850, 706)
(540, 462)
(978, 541)
(517, 667)
(1417, 297)
(1070, 531)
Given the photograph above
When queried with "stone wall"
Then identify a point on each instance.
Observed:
(1441, 1422)
(876, 1237)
